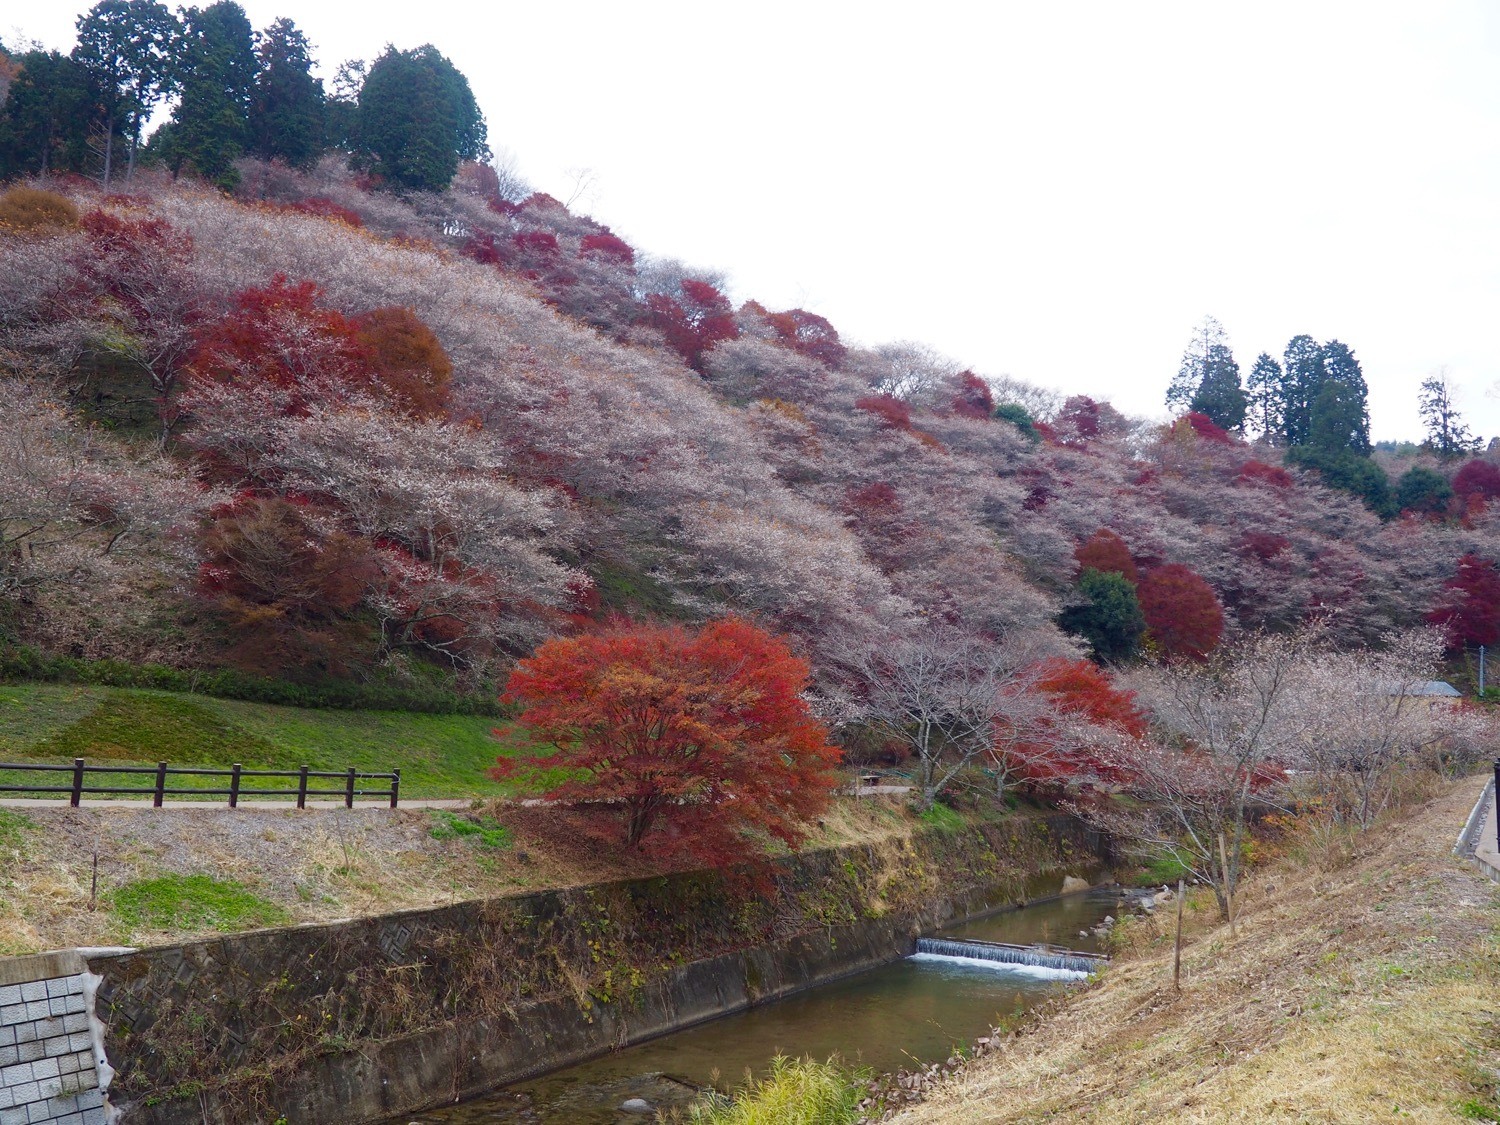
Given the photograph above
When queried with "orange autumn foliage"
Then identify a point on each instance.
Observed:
(702, 739)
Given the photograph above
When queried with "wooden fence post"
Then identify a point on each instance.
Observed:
(302, 788)
(349, 790)
(1177, 945)
(1228, 885)
(161, 785)
(395, 786)
(234, 786)
(77, 781)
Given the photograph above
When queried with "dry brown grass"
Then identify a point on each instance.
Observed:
(1356, 992)
(317, 865)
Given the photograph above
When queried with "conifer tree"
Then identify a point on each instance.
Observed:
(1447, 435)
(1340, 420)
(125, 47)
(417, 119)
(286, 115)
(44, 124)
(1302, 380)
(1265, 399)
(1220, 396)
(208, 132)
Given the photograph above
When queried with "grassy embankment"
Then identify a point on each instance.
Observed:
(439, 755)
(171, 875)
(1364, 986)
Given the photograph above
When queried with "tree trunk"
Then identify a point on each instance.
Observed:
(109, 148)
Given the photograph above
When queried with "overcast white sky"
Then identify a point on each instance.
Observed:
(1057, 191)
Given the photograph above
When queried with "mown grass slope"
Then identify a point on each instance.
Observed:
(439, 755)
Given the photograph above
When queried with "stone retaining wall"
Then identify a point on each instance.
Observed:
(357, 1021)
(49, 1065)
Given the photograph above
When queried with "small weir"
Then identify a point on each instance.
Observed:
(917, 1009)
(1069, 961)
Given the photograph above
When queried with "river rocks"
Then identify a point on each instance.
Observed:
(637, 1105)
(1072, 884)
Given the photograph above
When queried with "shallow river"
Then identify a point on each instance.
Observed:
(914, 1010)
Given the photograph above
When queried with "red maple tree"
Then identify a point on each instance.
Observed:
(1477, 478)
(701, 738)
(1081, 687)
(695, 322)
(1471, 607)
(973, 397)
(1183, 615)
(1107, 553)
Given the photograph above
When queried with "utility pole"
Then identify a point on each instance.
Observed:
(1481, 671)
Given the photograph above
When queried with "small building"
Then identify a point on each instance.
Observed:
(1435, 693)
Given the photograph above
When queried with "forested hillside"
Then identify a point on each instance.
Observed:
(278, 407)
(321, 429)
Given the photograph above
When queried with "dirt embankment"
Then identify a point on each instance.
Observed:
(311, 866)
(1364, 986)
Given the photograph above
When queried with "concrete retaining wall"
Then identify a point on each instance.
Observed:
(360, 1021)
(49, 1065)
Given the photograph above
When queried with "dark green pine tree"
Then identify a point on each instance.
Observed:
(1302, 378)
(126, 48)
(1344, 416)
(287, 104)
(1207, 338)
(44, 123)
(1265, 400)
(1340, 420)
(417, 119)
(1110, 618)
(1220, 395)
(209, 131)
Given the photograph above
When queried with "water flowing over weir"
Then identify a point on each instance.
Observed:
(918, 1008)
(1063, 961)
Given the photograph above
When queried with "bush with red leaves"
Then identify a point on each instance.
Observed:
(1183, 617)
(1107, 553)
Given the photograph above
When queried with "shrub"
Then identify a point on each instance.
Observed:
(796, 1092)
(25, 210)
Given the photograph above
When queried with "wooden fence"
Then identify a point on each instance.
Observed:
(79, 786)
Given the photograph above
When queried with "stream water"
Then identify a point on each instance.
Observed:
(915, 1010)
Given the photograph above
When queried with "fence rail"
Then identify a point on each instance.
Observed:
(80, 771)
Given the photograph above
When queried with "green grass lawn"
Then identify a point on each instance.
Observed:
(439, 755)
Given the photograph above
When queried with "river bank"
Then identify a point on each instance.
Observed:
(356, 1021)
(1361, 987)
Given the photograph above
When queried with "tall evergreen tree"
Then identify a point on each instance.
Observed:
(1220, 395)
(126, 47)
(286, 117)
(44, 123)
(1208, 378)
(1340, 419)
(418, 119)
(1302, 378)
(1447, 435)
(1352, 412)
(1265, 399)
(217, 66)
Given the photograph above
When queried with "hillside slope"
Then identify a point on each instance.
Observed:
(1356, 991)
(320, 431)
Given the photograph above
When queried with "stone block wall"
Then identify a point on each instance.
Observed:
(49, 1068)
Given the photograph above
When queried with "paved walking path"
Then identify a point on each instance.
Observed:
(1486, 849)
(220, 803)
